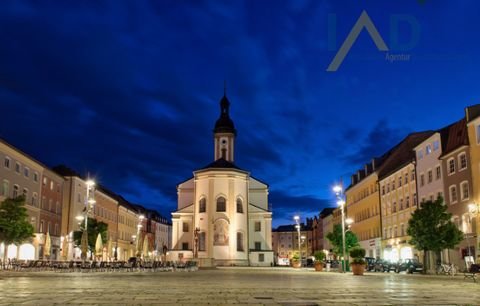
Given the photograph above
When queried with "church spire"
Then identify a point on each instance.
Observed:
(224, 131)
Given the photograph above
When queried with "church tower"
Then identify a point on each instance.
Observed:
(224, 133)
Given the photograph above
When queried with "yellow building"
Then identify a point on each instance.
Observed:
(363, 207)
(398, 197)
(127, 230)
(472, 116)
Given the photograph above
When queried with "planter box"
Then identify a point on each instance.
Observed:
(319, 266)
(358, 269)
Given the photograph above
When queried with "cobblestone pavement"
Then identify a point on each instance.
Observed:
(235, 286)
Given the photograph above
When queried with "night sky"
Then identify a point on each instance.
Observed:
(130, 90)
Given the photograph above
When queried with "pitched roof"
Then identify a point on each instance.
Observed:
(221, 163)
(402, 153)
(326, 211)
(454, 136)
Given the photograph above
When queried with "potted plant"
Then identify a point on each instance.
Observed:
(319, 258)
(358, 262)
(296, 263)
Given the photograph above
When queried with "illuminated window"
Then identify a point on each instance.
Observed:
(428, 150)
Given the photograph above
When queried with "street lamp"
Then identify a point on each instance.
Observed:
(297, 226)
(89, 203)
(341, 202)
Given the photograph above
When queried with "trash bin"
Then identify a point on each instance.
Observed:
(328, 267)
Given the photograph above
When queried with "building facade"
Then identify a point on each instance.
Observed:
(363, 206)
(458, 188)
(223, 216)
(51, 212)
(286, 242)
(20, 175)
(472, 116)
(398, 197)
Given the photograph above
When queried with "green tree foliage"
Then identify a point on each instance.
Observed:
(15, 227)
(431, 228)
(94, 228)
(336, 240)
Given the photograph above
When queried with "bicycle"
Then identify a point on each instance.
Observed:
(447, 269)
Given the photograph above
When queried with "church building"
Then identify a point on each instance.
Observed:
(222, 217)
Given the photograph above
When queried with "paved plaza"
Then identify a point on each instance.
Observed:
(234, 286)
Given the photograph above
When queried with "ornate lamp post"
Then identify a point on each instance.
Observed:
(297, 226)
(89, 204)
(341, 202)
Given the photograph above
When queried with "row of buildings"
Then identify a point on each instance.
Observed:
(56, 200)
(386, 190)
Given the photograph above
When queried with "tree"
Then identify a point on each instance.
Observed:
(431, 228)
(94, 228)
(336, 240)
(15, 227)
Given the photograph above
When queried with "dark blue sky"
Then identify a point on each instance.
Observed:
(129, 90)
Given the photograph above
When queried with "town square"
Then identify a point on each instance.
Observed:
(284, 152)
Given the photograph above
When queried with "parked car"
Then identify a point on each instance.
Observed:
(380, 265)
(409, 265)
(370, 263)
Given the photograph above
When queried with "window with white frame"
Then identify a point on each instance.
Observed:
(438, 173)
(17, 167)
(464, 191)
(6, 162)
(451, 166)
(420, 154)
(453, 194)
(5, 187)
(436, 145)
(15, 191)
(428, 150)
(35, 177)
(26, 172)
(462, 161)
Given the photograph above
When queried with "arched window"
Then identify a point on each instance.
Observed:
(221, 204)
(239, 206)
(202, 205)
(240, 242)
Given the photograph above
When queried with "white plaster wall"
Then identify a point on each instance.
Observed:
(429, 162)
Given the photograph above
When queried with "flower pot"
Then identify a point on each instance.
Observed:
(358, 269)
(296, 264)
(319, 266)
